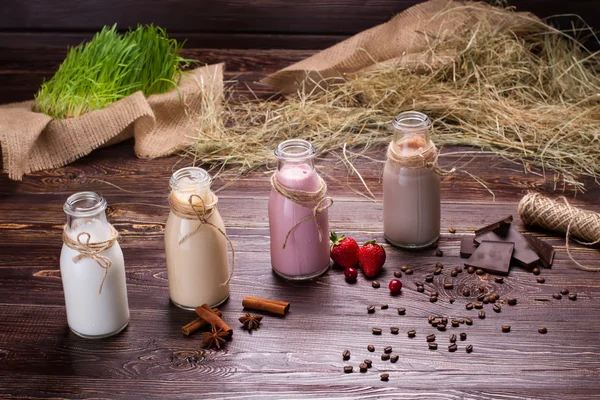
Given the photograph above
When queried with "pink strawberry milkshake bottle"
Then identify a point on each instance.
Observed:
(305, 252)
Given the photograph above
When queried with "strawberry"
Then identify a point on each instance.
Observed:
(371, 257)
(344, 250)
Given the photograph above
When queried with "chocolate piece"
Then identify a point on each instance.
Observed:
(500, 227)
(492, 256)
(467, 247)
(544, 250)
(523, 254)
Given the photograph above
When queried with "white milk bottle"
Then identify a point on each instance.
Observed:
(92, 269)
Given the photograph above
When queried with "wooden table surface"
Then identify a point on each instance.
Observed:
(299, 355)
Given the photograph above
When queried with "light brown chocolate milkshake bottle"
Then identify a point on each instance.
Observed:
(411, 192)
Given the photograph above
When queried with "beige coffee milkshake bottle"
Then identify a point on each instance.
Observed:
(411, 187)
(195, 242)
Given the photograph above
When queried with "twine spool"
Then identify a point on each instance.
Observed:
(303, 198)
(538, 210)
(190, 210)
(425, 158)
(87, 249)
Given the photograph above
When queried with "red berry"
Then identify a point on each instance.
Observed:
(351, 274)
(371, 257)
(395, 286)
(344, 250)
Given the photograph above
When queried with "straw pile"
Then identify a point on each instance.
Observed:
(530, 94)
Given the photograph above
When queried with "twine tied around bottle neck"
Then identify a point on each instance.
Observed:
(425, 158)
(190, 210)
(303, 198)
(92, 250)
(537, 209)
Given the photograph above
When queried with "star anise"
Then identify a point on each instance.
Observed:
(214, 338)
(251, 321)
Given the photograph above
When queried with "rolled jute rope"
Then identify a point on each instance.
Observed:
(320, 199)
(426, 158)
(539, 210)
(88, 249)
(189, 211)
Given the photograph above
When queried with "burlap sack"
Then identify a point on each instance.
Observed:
(406, 38)
(161, 124)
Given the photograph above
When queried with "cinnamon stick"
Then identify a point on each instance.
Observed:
(198, 323)
(268, 305)
(206, 313)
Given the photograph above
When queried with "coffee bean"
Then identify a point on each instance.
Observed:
(481, 296)
(463, 336)
(420, 289)
(499, 279)
(468, 321)
(448, 285)
(466, 292)
(394, 330)
(462, 321)
(394, 358)
(486, 299)
(573, 296)
(454, 274)
(409, 272)
(482, 314)
(429, 278)
(384, 377)
(469, 306)
(478, 305)
(404, 268)
(384, 306)
(453, 347)
(557, 296)
(511, 301)
(493, 298)
(418, 283)
(469, 348)
(564, 292)
(387, 349)
(348, 369)
(437, 271)
(505, 328)
(444, 320)
(455, 323)
(497, 308)
(432, 346)
(470, 270)
(439, 265)
(371, 309)
(401, 311)
(376, 284)
(371, 348)
(543, 330)
(363, 367)
(451, 300)
(540, 279)
(412, 333)
(458, 269)
(536, 271)
(431, 338)
(368, 363)
(397, 274)
(435, 293)
(439, 252)
(452, 230)
(453, 338)
(433, 299)
(385, 357)
(480, 272)
(441, 327)
(346, 355)
(376, 331)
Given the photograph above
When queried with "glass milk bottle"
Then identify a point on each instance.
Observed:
(299, 241)
(196, 251)
(92, 269)
(411, 187)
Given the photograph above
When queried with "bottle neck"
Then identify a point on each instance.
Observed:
(190, 182)
(412, 133)
(296, 165)
(86, 212)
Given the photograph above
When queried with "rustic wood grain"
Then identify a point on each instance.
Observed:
(298, 355)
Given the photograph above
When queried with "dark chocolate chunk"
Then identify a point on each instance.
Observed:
(492, 256)
(467, 247)
(501, 227)
(544, 250)
(523, 254)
